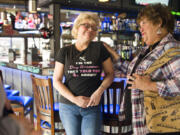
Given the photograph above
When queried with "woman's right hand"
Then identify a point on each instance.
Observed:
(82, 101)
(108, 48)
(113, 53)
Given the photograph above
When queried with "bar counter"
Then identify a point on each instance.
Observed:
(42, 68)
(17, 75)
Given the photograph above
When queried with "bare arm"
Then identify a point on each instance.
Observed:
(63, 90)
(57, 82)
(109, 76)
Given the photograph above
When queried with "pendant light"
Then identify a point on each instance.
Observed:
(103, 0)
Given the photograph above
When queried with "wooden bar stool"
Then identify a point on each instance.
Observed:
(110, 107)
(12, 93)
(23, 105)
(47, 110)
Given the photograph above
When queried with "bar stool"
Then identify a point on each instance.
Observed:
(22, 105)
(110, 108)
(7, 87)
(12, 93)
(47, 110)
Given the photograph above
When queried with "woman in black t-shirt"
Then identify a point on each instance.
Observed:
(82, 64)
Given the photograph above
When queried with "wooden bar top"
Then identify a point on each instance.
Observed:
(42, 68)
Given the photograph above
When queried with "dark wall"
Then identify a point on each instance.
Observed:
(175, 5)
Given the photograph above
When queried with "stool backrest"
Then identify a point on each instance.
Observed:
(44, 100)
(111, 104)
(43, 95)
(112, 98)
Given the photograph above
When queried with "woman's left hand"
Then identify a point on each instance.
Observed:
(94, 99)
(139, 82)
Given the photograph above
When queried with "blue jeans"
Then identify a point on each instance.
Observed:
(80, 121)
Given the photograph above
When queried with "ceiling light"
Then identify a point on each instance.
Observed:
(38, 9)
(103, 0)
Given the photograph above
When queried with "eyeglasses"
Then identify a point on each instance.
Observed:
(87, 26)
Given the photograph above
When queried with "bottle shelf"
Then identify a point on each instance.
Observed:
(120, 32)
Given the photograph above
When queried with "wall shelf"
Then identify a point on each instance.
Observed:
(20, 35)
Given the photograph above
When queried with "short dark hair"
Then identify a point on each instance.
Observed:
(156, 13)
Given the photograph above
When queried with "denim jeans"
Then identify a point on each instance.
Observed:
(80, 121)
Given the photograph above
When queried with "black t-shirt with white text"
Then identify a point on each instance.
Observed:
(82, 70)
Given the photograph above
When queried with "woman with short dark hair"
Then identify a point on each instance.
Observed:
(156, 24)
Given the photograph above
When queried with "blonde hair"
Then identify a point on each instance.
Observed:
(91, 17)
